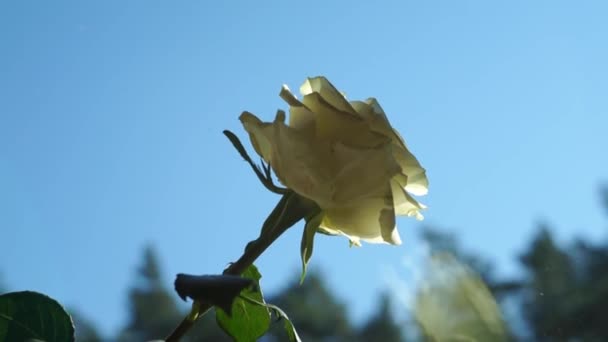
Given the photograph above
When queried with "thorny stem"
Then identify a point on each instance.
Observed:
(290, 209)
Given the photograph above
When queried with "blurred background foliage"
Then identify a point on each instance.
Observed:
(562, 295)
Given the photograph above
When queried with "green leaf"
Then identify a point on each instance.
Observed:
(30, 315)
(248, 321)
(312, 224)
(289, 328)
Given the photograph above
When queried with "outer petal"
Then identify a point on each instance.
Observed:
(361, 172)
(404, 203)
(369, 108)
(299, 160)
(302, 163)
(417, 182)
(300, 117)
(260, 134)
(376, 119)
(363, 109)
(333, 124)
(328, 92)
(371, 220)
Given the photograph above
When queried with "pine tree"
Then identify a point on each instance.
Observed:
(552, 280)
(314, 310)
(382, 326)
(153, 309)
(85, 329)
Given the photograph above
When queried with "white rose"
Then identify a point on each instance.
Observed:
(346, 157)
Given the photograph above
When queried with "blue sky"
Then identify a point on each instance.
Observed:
(111, 115)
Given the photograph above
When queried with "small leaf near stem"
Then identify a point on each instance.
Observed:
(247, 322)
(289, 328)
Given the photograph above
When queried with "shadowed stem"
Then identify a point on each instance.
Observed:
(290, 209)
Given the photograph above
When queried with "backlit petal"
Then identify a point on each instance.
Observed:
(371, 220)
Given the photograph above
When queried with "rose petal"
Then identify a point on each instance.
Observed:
(303, 163)
(404, 203)
(361, 172)
(377, 121)
(291, 154)
(299, 116)
(363, 109)
(332, 124)
(328, 92)
(260, 134)
(372, 220)
(417, 182)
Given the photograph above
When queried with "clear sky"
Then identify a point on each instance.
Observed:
(111, 115)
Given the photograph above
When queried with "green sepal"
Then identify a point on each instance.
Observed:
(264, 172)
(306, 245)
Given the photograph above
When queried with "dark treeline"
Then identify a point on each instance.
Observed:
(562, 295)
(318, 315)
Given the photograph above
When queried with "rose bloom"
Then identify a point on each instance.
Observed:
(344, 156)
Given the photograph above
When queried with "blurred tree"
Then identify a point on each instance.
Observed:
(552, 281)
(315, 312)
(443, 242)
(585, 303)
(206, 329)
(382, 326)
(85, 330)
(604, 196)
(588, 302)
(153, 310)
(563, 297)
